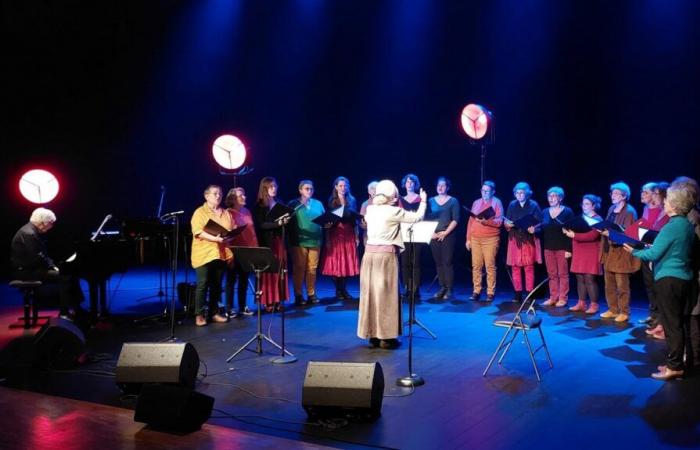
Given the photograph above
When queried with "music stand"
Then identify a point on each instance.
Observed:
(256, 260)
(424, 231)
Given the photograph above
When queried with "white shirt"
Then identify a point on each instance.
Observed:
(384, 223)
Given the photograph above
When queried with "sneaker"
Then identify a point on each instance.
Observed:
(231, 314)
(667, 374)
(219, 318)
(550, 302)
(246, 312)
(593, 309)
(608, 315)
(312, 299)
(580, 306)
(622, 318)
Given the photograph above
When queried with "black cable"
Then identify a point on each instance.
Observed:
(252, 394)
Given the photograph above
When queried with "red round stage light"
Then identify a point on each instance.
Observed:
(476, 120)
(229, 152)
(38, 186)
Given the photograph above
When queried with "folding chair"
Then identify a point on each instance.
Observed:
(525, 320)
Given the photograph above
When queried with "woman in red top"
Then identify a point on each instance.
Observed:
(235, 202)
(585, 258)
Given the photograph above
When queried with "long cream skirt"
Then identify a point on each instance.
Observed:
(380, 308)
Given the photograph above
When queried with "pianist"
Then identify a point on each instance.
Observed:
(30, 261)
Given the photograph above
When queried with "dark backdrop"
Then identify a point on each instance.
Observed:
(121, 97)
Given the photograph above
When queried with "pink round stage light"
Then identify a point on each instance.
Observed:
(475, 120)
(38, 186)
(229, 152)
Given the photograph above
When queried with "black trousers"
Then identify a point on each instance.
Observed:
(236, 274)
(648, 278)
(672, 298)
(209, 278)
(411, 253)
(69, 293)
(443, 253)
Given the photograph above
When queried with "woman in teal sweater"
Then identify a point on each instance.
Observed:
(672, 276)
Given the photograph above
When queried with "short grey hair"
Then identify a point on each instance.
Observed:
(622, 187)
(556, 190)
(42, 215)
(680, 198)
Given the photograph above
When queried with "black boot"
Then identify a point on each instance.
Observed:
(344, 290)
(338, 289)
(517, 297)
(440, 295)
(448, 294)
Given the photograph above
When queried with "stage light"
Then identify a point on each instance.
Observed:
(476, 121)
(229, 152)
(38, 186)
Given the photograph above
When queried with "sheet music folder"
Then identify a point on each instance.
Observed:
(332, 217)
(526, 222)
(580, 224)
(422, 232)
(607, 225)
(486, 214)
(619, 238)
(279, 211)
(216, 229)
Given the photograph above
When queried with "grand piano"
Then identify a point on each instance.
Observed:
(111, 251)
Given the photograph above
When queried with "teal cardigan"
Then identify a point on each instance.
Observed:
(671, 250)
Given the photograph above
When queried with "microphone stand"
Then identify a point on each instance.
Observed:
(173, 268)
(289, 357)
(411, 379)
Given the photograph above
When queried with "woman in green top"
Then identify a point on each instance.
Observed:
(305, 242)
(672, 275)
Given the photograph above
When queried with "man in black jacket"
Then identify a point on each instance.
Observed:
(30, 260)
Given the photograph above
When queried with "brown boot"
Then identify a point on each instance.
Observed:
(580, 306)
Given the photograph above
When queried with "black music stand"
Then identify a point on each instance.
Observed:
(257, 260)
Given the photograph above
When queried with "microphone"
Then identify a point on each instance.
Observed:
(171, 214)
(99, 229)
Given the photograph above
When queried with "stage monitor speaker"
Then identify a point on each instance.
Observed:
(175, 363)
(172, 408)
(58, 344)
(343, 389)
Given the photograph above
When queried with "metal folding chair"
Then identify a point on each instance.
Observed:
(524, 320)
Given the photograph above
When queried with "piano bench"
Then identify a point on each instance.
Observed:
(30, 307)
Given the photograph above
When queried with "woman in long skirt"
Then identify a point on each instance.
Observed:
(340, 250)
(379, 318)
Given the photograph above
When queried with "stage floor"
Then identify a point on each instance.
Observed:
(599, 394)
